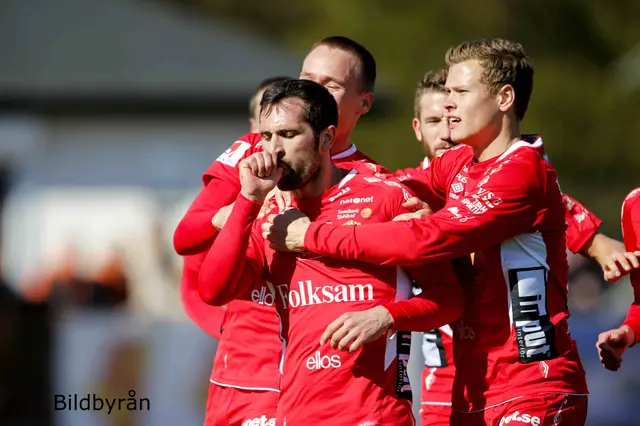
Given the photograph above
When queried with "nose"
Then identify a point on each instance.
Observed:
(449, 103)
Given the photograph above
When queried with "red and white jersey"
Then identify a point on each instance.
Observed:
(369, 386)
(631, 236)
(251, 318)
(509, 212)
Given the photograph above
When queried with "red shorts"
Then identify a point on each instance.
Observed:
(435, 415)
(239, 407)
(543, 409)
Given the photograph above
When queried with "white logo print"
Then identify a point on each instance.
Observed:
(356, 200)
(340, 194)
(260, 421)
(307, 295)
(234, 153)
(262, 296)
(457, 187)
(319, 362)
(520, 418)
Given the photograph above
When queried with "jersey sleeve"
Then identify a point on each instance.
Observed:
(440, 302)
(195, 231)
(236, 259)
(582, 224)
(208, 318)
(505, 206)
(631, 236)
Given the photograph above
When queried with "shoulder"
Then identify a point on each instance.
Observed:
(228, 161)
(384, 189)
(631, 203)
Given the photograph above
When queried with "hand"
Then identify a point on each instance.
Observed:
(618, 264)
(421, 208)
(354, 329)
(220, 218)
(275, 198)
(612, 344)
(259, 174)
(286, 231)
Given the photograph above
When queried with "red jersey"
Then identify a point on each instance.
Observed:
(631, 236)
(320, 384)
(513, 337)
(248, 319)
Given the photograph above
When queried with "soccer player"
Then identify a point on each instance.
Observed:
(209, 318)
(320, 385)
(244, 380)
(498, 198)
(613, 343)
(431, 128)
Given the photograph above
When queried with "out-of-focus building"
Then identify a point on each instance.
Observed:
(109, 112)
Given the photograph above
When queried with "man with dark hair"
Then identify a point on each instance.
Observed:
(254, 102)
(320, 385)
(497, 197)
(338, 70)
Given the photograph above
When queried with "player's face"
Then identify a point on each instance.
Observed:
(474, 116)
(338, 72)
(253, 120)
(285, 133)
(432, 128)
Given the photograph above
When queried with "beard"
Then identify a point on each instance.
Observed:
(296, 176)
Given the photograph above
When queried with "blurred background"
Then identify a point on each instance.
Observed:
(110, 110)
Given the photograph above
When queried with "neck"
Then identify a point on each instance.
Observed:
(498, 142)
(327, 176)
(341, 143)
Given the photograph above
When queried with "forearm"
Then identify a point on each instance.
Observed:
(208, 318)
(225, 273)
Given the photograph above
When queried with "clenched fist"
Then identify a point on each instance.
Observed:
(259, 174)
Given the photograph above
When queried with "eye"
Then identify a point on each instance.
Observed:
(266, 136)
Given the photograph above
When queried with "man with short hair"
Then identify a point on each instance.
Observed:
(249, 377)
(497, 197)
(367, 385)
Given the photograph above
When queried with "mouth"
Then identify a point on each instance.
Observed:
(453, 121)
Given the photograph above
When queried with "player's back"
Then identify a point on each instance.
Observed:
(322, 385)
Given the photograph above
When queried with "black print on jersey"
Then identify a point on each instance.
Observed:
(435, 354)
(403, 387)
(535, 333)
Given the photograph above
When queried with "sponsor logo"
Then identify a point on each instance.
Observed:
(457, 187)
(520, 418)
(260, 421)
(352, 223)
(366, 212)
(544, 369)
(319, 362)
(356, 200)
(340, 194)
(232, 156)
(534, 330)
(465, 332)
(347, 213)
(455, 211)
(262, 296)
(306, 294)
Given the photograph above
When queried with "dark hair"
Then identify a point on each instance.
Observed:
(366, 62)
(255, 101)
(432, 82)
(320, 108)
(503, 62)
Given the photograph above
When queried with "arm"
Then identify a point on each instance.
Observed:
(506, 206)
(235, 260)
(196, 231)
(440, 302)
(208, 318)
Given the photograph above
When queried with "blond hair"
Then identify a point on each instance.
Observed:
(504, 62)
(432, 82)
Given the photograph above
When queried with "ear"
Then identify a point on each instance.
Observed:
(366, 102)
(506, 98)
(416, 129)
(327, 138)
(253, 125)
